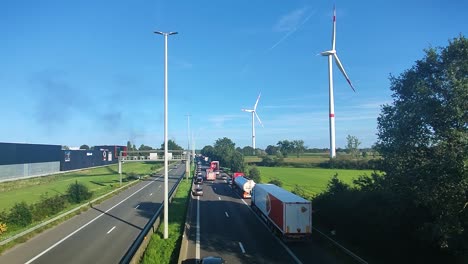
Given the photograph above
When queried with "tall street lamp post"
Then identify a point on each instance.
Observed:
(166, 169)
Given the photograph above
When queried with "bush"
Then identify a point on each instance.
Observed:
(131, 176)
(48, 206)
(78, 192)
(276, 182)
(254, 174)
(20, 215)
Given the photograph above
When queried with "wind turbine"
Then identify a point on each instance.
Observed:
(332, 53)
(254, 113)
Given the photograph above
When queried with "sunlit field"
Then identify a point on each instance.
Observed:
(312, 180)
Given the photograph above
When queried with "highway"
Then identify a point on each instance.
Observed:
(222, 224)
(103, 233)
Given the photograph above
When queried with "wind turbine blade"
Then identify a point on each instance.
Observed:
(258, 98)
(334, 28)
(340, 66)
(247, 110)
(258, 118)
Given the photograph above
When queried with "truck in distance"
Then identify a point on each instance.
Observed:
(214, 165)
(210, 175)
(244, 185)
(235, 175)
(285, 213)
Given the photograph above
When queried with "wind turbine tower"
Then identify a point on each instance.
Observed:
(254, 114)
(332, 54)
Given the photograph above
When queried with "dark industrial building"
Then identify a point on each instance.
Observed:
(19, 160)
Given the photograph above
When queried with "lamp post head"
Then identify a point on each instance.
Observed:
(165, 33)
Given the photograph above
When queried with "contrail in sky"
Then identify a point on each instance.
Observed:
(289, 33)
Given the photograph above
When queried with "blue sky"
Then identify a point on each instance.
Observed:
(91, 72)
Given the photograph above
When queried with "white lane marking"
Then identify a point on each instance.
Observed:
(136, 207)
(83, 226)
(110, 230)
(242, 247)
(226, 214)
(197, 243)
(151, 194)
(219, 198)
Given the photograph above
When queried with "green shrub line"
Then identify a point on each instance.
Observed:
(162, 250)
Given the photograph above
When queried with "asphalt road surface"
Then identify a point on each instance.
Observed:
(222, 224)
(103, 233)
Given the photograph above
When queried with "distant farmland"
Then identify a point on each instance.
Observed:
(306, 158)
(312, 180)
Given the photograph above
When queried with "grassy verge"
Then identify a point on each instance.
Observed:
(162, 250)
(312, 180)
(98, 180)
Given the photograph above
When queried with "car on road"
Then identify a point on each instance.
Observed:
(211, 260)
(224, 177)
(199, 180)
(198, 191)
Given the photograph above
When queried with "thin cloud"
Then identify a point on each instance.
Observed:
(290, 23)
(218, 121)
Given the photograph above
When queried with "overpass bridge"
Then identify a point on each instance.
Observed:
(154, 155)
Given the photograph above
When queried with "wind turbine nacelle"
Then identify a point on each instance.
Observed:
(328, 52)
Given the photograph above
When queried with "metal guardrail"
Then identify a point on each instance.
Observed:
(138, 243)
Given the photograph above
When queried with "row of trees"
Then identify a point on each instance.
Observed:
(171, 145)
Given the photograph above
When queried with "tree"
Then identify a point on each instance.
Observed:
(129, 145)
(247, 151)
(271, 150)
(65, 147)
(171, 145)
(86, 147)
(285, 146)
(352, 145)
(224, 148)
(143, 147)
(254, 174)
(237, 162)
(207, 151)
(298, 147)
(422, 137)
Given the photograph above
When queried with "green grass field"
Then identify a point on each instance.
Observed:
(98, 180)
(313, 180)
